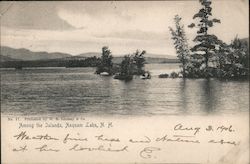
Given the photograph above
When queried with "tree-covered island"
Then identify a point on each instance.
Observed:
(131, 64)
(210, 57)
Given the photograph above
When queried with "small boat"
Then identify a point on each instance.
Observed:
(145, 76)
(104, 74)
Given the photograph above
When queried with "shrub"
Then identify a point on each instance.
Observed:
(163, 75)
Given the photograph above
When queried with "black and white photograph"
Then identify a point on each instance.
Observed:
(125, 81)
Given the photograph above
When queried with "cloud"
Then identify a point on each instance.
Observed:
(33, 15)
(140, 16)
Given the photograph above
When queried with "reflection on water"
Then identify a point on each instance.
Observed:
(78, 90)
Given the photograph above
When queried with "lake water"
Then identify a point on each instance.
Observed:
(73, 91)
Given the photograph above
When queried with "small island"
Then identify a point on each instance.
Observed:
(130, 65)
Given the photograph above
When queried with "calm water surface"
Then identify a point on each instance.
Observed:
(72, 91)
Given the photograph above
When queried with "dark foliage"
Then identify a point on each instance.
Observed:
(106, 63)
(205, 43)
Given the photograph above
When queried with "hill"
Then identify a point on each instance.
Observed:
(27, 55)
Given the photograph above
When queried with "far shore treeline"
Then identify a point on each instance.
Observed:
(19, 64)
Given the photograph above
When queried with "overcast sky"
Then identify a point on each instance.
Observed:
(124, 26)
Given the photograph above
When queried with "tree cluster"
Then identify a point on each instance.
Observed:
(130, 65)
(133, 64)
(210, 56)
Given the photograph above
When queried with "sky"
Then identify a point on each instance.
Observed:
(124, 26)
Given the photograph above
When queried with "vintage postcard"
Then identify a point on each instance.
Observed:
(124, 82)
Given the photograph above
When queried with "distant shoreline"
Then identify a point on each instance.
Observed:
(27, 67)
(73, 62)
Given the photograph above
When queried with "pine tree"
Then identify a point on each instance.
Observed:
(181, 45)
(206, 43)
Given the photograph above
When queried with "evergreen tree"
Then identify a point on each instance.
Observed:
(180, 42)
(206, 43)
